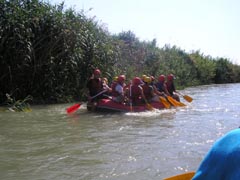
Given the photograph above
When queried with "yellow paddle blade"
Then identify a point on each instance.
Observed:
(181, 104)
(149, 107)
(165, 103)
(174, 102)
(184, 176)
(188, 98)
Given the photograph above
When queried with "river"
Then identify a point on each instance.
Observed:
(49, 144)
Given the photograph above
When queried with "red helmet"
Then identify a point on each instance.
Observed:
(121, 78)
(161, 78)
(137, 81)
(97, 72)
(170, 77)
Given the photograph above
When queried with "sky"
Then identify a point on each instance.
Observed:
(210, 26)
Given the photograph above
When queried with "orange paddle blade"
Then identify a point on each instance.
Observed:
(174, 102)
(73, 108)
(149, 107)
(188, 98)
(184, 176)
(164, 101)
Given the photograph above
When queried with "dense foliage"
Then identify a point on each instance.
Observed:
(49, 53)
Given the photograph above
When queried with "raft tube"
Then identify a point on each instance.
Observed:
(107, 105)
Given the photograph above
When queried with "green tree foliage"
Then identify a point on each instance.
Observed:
(178, 62)
(225, 72)
(49, 53)
(205, 68)
(131, 53)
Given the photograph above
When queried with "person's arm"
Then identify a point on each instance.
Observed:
(166, 90)
(142, 93)
(157, 92)
(152, 91)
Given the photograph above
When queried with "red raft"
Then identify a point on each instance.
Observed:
(107, 105)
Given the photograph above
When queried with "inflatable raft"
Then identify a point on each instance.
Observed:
(107, 105)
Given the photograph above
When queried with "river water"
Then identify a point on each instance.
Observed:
(49, 144)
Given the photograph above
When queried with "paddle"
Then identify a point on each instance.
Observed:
(73, 108)
(184, 176)
(186, 97)
(130, 99)
(149, 106)
(105, 90)
(110, 97)
(165, 102)
(174, 102)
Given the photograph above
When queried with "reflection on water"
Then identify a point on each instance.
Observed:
(49, 144)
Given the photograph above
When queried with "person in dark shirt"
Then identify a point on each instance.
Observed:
(171, 87)
(95, 85)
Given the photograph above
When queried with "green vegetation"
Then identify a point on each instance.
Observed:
(49, 53)
(19, 105)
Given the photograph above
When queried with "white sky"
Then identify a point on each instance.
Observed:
(211, 26)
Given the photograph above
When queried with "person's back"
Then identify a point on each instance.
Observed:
(171, 87)
(136, 91)
(148, 90)
(222, 162)
(161, 85)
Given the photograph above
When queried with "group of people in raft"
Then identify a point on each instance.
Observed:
(136, 92)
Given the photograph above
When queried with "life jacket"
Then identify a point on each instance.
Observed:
(147, 90)
(94, 86)
(170, 87)
(160, 86)
(135, 94)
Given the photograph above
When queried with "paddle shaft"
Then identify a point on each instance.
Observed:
(105, 90)
(186, 97)
(130, 99)
(184, 176)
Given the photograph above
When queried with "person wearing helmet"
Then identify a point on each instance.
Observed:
(117, 89)
(106, 86)
(95, 84)
(143, 79)
(136, 95)
(223, 159)
(171, 87)
(114, 83)
(161, 86)
(148, 90)
(152, 80)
